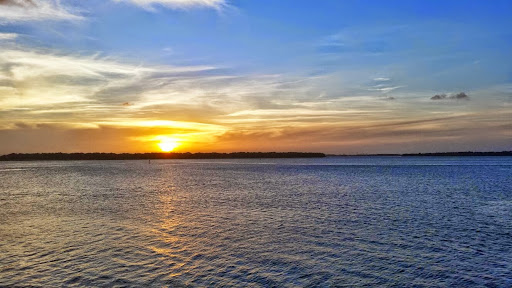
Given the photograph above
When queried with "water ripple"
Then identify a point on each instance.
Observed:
(279, 223)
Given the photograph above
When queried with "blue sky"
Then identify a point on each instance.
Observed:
(330, 76)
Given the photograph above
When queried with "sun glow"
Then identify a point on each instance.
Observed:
(168, 144)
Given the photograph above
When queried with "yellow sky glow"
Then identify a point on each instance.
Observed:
(168, 144)
(58, 102)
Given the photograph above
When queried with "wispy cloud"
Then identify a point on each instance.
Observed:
(178, 4)
(366, 40)
(8, 36)
(36, 79)
(383, 85)
(383, 88)
(423, 134)
(13, 11)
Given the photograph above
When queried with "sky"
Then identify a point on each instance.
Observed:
(332, 76)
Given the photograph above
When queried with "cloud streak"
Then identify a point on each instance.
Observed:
(32, 78)
(20, 11)
(177, 4)
(15, 11)
(8, 36)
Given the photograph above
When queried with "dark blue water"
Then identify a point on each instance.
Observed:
(354, 221)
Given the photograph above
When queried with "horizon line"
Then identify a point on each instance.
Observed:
(51, 156)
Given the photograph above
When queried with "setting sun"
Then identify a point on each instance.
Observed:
(168, 144)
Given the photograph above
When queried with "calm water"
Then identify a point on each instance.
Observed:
(372, 221)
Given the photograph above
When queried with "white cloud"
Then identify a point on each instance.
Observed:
(36, 79)
(177, 4)
(35, 10)
(8, 36)
(384, 88)
(168, 50)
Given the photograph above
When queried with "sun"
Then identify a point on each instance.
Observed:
(168, 144)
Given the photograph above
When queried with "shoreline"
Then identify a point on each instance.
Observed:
(153, 156)
(234, 155)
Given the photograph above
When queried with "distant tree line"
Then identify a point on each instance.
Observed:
(467, 153)
(146, 156)
(234, 155)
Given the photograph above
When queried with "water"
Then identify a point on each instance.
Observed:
(375, 221)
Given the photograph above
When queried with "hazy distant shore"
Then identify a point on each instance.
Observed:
(449, 154)
(235, 155)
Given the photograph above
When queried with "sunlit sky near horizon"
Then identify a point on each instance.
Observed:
(255, 75)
